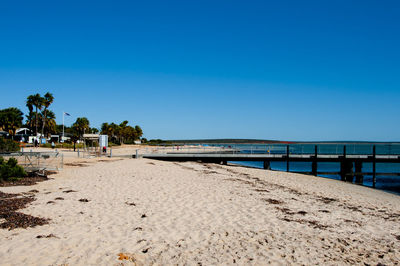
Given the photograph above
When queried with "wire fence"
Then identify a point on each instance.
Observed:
(38, 161)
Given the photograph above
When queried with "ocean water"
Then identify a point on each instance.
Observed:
(387, 183)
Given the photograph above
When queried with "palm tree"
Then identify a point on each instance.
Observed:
(94, 130)
(139, 132)
(121, 131)
(30, 120)
(114, 129)
(47, 100)
(50, 126)
(104, 129)
(81, 125)
(110, 129)
(36, 101)
(11, 119)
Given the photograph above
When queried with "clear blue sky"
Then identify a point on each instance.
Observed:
(290, 70)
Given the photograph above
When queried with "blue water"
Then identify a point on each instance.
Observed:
(387, 183)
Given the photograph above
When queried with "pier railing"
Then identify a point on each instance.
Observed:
(350, 157)
(322, 149)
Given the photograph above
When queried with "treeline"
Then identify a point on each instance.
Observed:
(39, 117)
(41, 120)
(117, 134)
(122, 133)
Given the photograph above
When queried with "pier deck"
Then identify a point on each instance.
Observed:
(271, 157)
(350, 164)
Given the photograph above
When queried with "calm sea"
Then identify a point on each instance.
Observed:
(388, 183)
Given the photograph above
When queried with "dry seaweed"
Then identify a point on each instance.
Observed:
(25, 181)
(69, 191)
(48, 236)
(31, 179)
(7, 195)
(9, 203)
(84, 200)
(326, 200)
(273, 201)
(77, 164)
(311, 223)
(21, 220)
(261, 190)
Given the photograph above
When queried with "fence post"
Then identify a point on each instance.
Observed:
(137, 154)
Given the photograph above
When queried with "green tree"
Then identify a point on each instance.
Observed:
(106, 130)
(47, 100)
(94, 130)
(10, 169)
(35, 101)
(139, 132)
(50, 126)
(122, 133)
(8, 145)
(81, 125)
(30, 120)
(112, 130)
(11, 119)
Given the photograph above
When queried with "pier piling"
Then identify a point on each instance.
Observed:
(287, 158)
(314, 165)
(346, 171)
(346, 167)
(373, 166)
(359, 177)
(342, 169)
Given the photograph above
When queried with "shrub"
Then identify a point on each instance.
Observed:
(63, 145)
(10, 170)
(12, 162)
(8, 145)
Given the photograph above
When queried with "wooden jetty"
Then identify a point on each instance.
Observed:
(350, 164)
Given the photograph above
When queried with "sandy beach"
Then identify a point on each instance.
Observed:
(113, 211)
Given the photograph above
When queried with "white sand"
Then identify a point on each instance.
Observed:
(197, 213)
